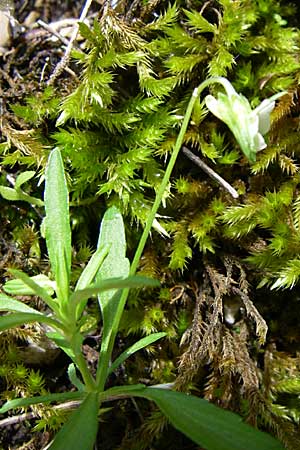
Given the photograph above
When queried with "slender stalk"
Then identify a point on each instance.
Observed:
(166, 178)
(105, 357)
(164, 183)
(86, 374)
(65, 59)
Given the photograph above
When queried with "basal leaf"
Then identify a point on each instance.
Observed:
(80, 431)
(89, 273)
(11, 304)
(112, 233)
(36, 288)
(209, 426)
(18, 287)
(57, 225)
(92, 268)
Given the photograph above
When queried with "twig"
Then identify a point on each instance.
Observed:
(32, 415)
(52, 31)
(65, 59)
(16, 419)
(210, 172)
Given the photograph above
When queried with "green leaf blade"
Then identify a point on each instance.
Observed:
(89, 273)
(80, 431)
(49, 398)
(92, 268)
(9, 193)
(18, 287)
(115, 265)
(112, 233)
(112, 285)
(206, 424)
(32, 286)
(20, 318)
(10, 304)
(57, 225)
(23, 178)
(142, 343)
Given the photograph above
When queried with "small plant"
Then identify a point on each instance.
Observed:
(109, 275)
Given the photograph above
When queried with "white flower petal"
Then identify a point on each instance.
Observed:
(215, 107)
(264, 116)
(259, 142)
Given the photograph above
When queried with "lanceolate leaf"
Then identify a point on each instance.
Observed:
(9, 193)
(94, 264)
(80, 431)
(18, 287)
(209, 426)
(112, 285)
(34, 287)
(22, 402)
(18, 195)
(57, 225)
(19, 318)
(10, 304)
(89, 273)
(142, 343)
(23, 178)
(116, 264)
(74, 378)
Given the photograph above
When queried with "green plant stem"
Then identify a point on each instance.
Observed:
(86, 374)
(103, 365)
(166, 178)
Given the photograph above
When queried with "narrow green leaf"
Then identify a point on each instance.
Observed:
(122, 391)
(22, 402)
(9, 193)
(142, 343)
(18, 195)
(35, 287)
(11, 304)
(116, 264)
(74, 378)
(89, 273)
(61, 342)
(112, 234)
(18, 287)
(206, 424)
(57, 225)
(62, 280)
(113, 284)
(23, 178)
(80, 431)
(92, 268)
(20, 318)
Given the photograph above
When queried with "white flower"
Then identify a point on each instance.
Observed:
(248, 126)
